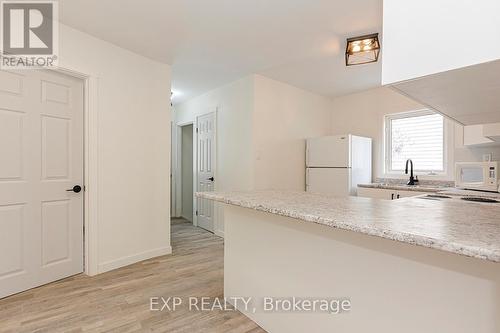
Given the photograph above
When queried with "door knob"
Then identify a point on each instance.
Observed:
(211, 179)
(76, 189)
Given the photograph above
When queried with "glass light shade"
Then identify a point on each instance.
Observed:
(362, 50)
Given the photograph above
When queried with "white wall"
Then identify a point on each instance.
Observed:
(428, 36)
(187, 172)
(284, 116)
(262, 125)
(363, 114)
(130, 150)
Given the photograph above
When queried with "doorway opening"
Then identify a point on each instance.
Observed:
(187, 194)
(194, 163)
(183, 173)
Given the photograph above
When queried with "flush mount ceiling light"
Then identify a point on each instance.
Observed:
(362, 50)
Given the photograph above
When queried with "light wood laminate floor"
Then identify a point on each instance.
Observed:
(119, 301)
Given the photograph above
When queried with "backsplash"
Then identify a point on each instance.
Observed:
(395, 181)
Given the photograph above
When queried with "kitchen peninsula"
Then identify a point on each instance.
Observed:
(410, 265)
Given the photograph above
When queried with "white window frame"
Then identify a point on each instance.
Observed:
(448, 147)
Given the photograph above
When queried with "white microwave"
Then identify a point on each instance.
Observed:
(481, 176)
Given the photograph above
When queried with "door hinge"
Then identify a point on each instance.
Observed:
(197, 213)
(196, 129)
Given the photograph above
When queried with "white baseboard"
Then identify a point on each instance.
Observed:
(129, 260)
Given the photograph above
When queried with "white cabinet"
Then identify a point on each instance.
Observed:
(492, 131)
(473, 136)
(427, 36)
(482, 135)
(378, 193)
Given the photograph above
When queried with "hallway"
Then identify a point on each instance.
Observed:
(119, 301)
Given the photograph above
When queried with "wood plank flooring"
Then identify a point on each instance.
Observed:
(119, 301)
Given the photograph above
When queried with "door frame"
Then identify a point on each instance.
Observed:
(195, 168)
(177, 181)
(90, 166)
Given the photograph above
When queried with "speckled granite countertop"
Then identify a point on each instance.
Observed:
(402, 187)
(466, 228)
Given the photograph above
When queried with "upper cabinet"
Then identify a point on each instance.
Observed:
(446, 55)
(482, 135)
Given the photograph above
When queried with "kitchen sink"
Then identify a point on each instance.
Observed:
(435, 197)
(439, 197)
(476, 199)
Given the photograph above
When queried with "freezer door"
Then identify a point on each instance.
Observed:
(335, 181)
(329, 152)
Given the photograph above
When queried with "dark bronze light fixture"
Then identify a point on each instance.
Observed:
(362, 50)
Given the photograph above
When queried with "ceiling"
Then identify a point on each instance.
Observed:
(213, 42)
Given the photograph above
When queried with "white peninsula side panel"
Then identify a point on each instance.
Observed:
(393, 287)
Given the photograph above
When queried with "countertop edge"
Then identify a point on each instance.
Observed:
(408, 238)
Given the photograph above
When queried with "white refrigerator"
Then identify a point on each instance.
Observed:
(337, 164)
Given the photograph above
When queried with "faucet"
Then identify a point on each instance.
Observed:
(412, 180)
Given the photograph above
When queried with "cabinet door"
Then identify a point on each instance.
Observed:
(376, 193)
(473, 135)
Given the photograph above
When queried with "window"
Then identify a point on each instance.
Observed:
(418, 136)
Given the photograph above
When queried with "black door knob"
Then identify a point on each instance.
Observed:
(76, 189)
(211, 179)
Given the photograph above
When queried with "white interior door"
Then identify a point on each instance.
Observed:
(205, 169)
(41, 157)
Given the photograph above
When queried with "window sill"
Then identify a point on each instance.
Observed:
(423, 176)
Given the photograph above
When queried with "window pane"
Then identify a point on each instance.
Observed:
(419, 138)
